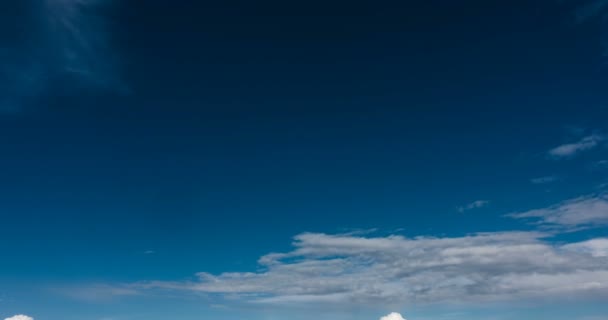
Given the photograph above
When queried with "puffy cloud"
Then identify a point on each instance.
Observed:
(393, 316)
(348, 269)
(570, 149)
(474, 205)
(20, 317)
(586, 211)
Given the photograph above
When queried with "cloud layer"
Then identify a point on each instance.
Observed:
(347, 269)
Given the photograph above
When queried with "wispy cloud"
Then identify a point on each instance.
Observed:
(346, 269)
(571, 149)
(66, 42)
(474, 205)
(581, 212)
(544, 180)
(96, 292)
(602, 164)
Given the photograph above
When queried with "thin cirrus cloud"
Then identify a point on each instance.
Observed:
(581, 212)
(544, 180)
(571, 149)
(66, 42)
(474, 205)
(395, 270)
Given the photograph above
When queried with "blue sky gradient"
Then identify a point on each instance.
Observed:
(340, 160)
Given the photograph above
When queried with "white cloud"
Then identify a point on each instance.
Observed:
(474, 205)
(586, 211)
(347, 269)
(393, 316)
(594, 247)
(20, 317)
(570, 149)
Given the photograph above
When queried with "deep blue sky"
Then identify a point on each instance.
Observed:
(149, 141)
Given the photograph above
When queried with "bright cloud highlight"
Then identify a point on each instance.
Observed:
(19, 317)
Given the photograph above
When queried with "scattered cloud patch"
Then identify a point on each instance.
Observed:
(19, 317)
(357, 270)
(474, 205)
(571, 149)
(393, 316)
(544, 180)
(581, 212)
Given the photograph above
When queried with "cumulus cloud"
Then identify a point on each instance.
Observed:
(66, 42)
(19, 317)
(348, 269)
(393, 316)
(585, 211)
(571, 149)
(474, 205)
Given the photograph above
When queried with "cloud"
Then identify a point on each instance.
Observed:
(594, 247)
(383, 271)
(96, 292)
(474, 205)
(602, 164)
(66, 43)
(393, 316)
(544, 180)
(80, 37)
(585, 211)
(20, 317)
(571, 149)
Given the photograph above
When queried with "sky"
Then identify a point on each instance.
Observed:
(364, 160)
